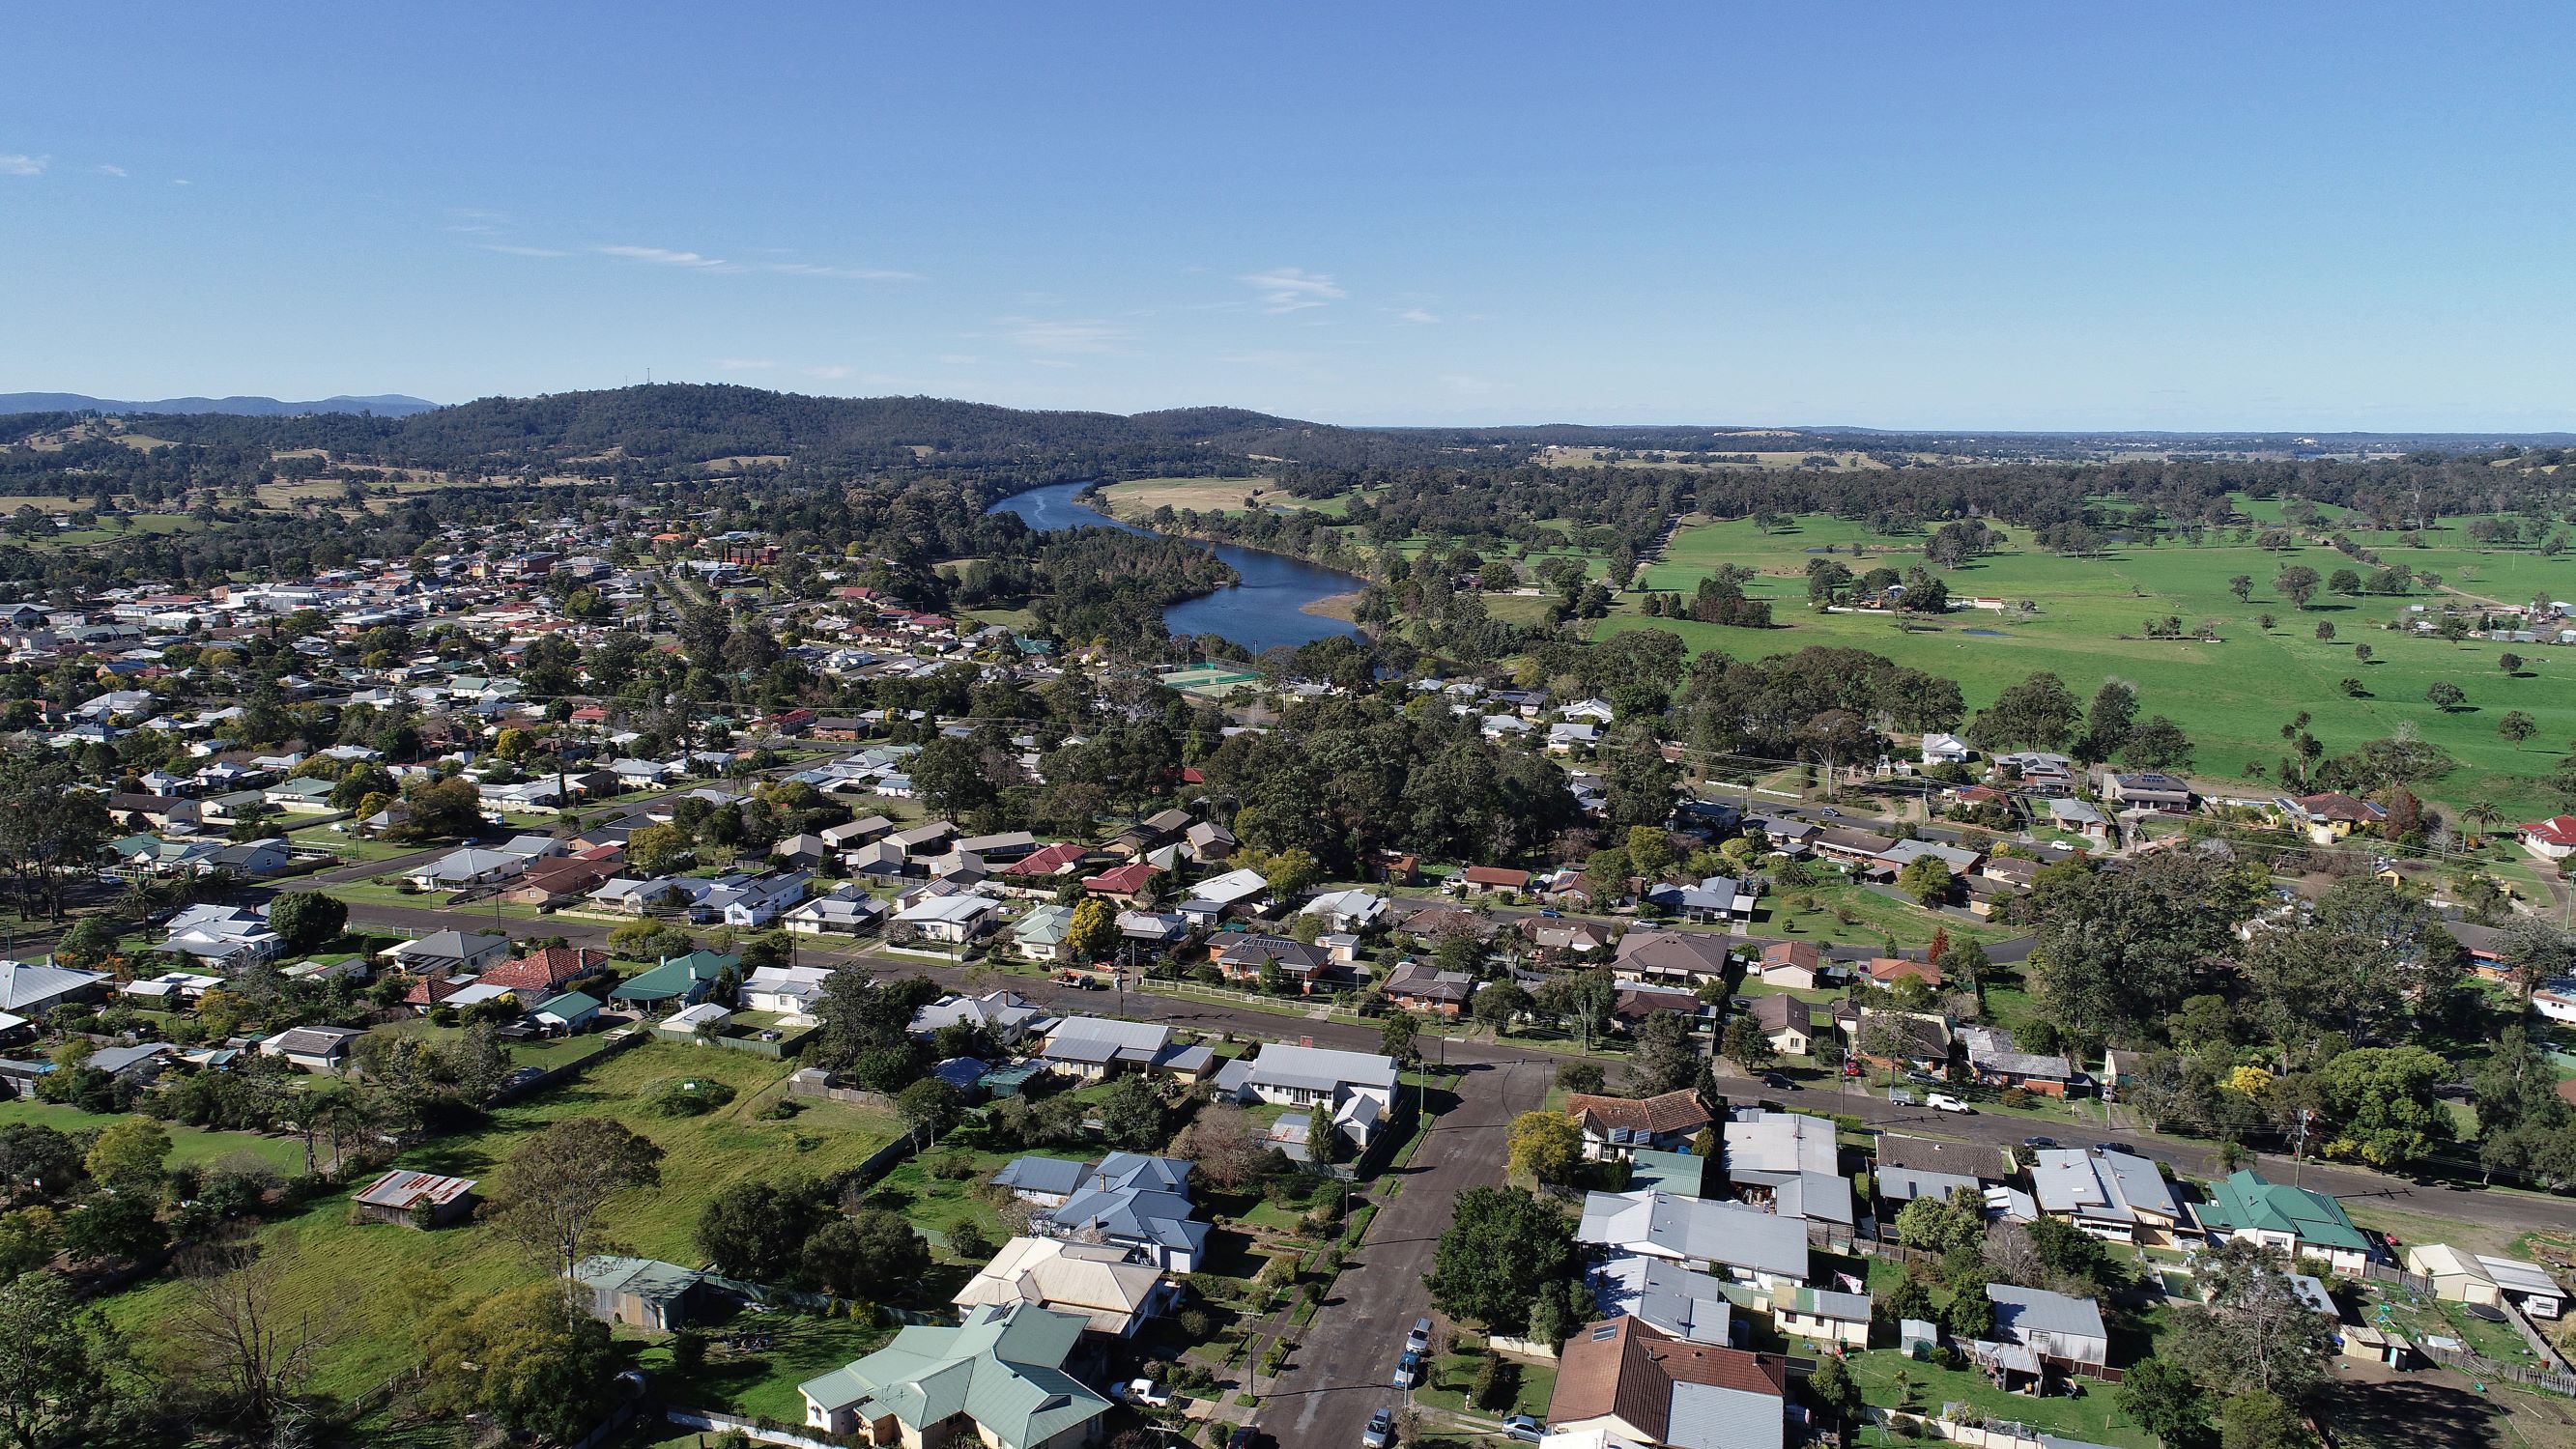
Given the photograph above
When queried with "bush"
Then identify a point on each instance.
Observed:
(2016, 1098)
(689, 1096)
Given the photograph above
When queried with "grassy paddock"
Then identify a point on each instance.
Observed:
(368, 1282)
(2231, 696)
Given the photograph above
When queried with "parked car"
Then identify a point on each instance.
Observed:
(1380, 1432)
(1419, 1340)
(1944, 1102)
(1524, 1428)
(1408, 1371)
(1779, 1082)
(2115, 1147)
(1917, 1074)
(1146, 1392)
(2037, 1144)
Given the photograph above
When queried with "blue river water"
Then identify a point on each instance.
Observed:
(1263, 611)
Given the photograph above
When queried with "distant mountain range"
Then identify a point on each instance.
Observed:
(385, 405)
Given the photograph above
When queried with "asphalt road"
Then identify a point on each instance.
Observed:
(1340, 1371)
(2515, 1210)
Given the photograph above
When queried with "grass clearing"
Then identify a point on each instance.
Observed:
(1138, 497)
(189, 1146)
(358, 1277)
(2231, 696)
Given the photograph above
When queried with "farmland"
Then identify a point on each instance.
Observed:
(2232, 695)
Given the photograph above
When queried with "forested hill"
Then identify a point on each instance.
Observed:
(669, 425)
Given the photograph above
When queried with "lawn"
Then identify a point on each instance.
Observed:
(371, 1282)
(2093, 1417)
(188, 1145)
(761, 1382)
(936, 1204)
(1452, 1375)
(2231, 696)
(545, 1055)
(1873, 915)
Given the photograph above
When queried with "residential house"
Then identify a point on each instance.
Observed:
(951, 920)
(449, 953)
(1002, 1013)
(1945, 749)
(1131, 884)
(2151, 790)
(1100, 1283)
(846, 911)
(1135, 1201)
(2118, 1196)
(785, 990)
(1485, 880)
(1245, 957)
(313, 1048)
(1716, 898)
(1356, 1089)
(1793, 965)
(2300, 1221)
(2553, 839)
(224, 937)
(1356, 911)
(1886, 971)
(675, 982)
(1685, 958)
(2064, 1333)
(1821, 1315)
(570, 1014)
(562, 881)
(1996, 1059)
(463, 869)
(1665, 1296)
(1623, 1382)
(1040, 934)
(545, 973)
(1237, 892)
(249, 859)
(1094, 1047)
(1616, 1127)
(2330, 817)
(1787, 1022)
(998, 1380)
(29, 989)
(1415, 986)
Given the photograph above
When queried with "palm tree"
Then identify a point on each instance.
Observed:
(2482, 813)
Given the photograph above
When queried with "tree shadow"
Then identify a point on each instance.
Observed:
(2414, 1412)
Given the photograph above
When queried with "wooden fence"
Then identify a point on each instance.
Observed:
(2477, 1366)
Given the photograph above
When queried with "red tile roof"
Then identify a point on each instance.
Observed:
(1626, 1368)
(1664, 1115)
(1125, 880)
(1046, 860)
(2556, 830)
(547, 970)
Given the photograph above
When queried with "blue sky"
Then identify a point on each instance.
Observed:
(1981, 216)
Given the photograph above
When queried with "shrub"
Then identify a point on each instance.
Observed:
(2016, 1098)
(689, 1096)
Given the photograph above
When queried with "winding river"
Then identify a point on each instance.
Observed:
(1263, 611)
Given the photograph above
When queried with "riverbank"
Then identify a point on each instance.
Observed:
(1344, 607)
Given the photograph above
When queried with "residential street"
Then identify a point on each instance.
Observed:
(1339, 1372)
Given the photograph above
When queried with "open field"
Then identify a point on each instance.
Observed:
(189, 1146)
(2232, 696)
(1140, 496)
(359, 1277)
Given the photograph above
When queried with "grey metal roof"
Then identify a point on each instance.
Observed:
(1707, 1416)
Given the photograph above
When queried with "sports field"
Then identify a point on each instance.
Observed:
(2231, 696)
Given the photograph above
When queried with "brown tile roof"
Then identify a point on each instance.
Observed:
(1793, 953)
(1625, 1367)
(1672, 1112)
(1927, 1154)
(1889, 970)
(1778, 1013)
(547, 970)
(1495, 875)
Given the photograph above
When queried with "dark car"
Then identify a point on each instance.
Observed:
(2038, 1143)
(2115, 1147)
(1778, 1082)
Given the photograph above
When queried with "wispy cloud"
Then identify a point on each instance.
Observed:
(1034, 335)
(1416, 314)
(746, 364)
(1293, 289)
(1466, 386)
(104, 169)
(848, 274)
(513, 249)
(1048, 362)
(664, 257)
(14, 163)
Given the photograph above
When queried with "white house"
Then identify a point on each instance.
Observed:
(1357, 1088)
(953, 920)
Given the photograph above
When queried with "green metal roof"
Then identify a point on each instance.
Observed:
(2243, 1200)
(675, 976)
(1003, 1368)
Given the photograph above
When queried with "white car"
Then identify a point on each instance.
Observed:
(1146, 1392)
(1944, 1102)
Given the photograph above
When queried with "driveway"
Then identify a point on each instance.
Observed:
(1338, 1373)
